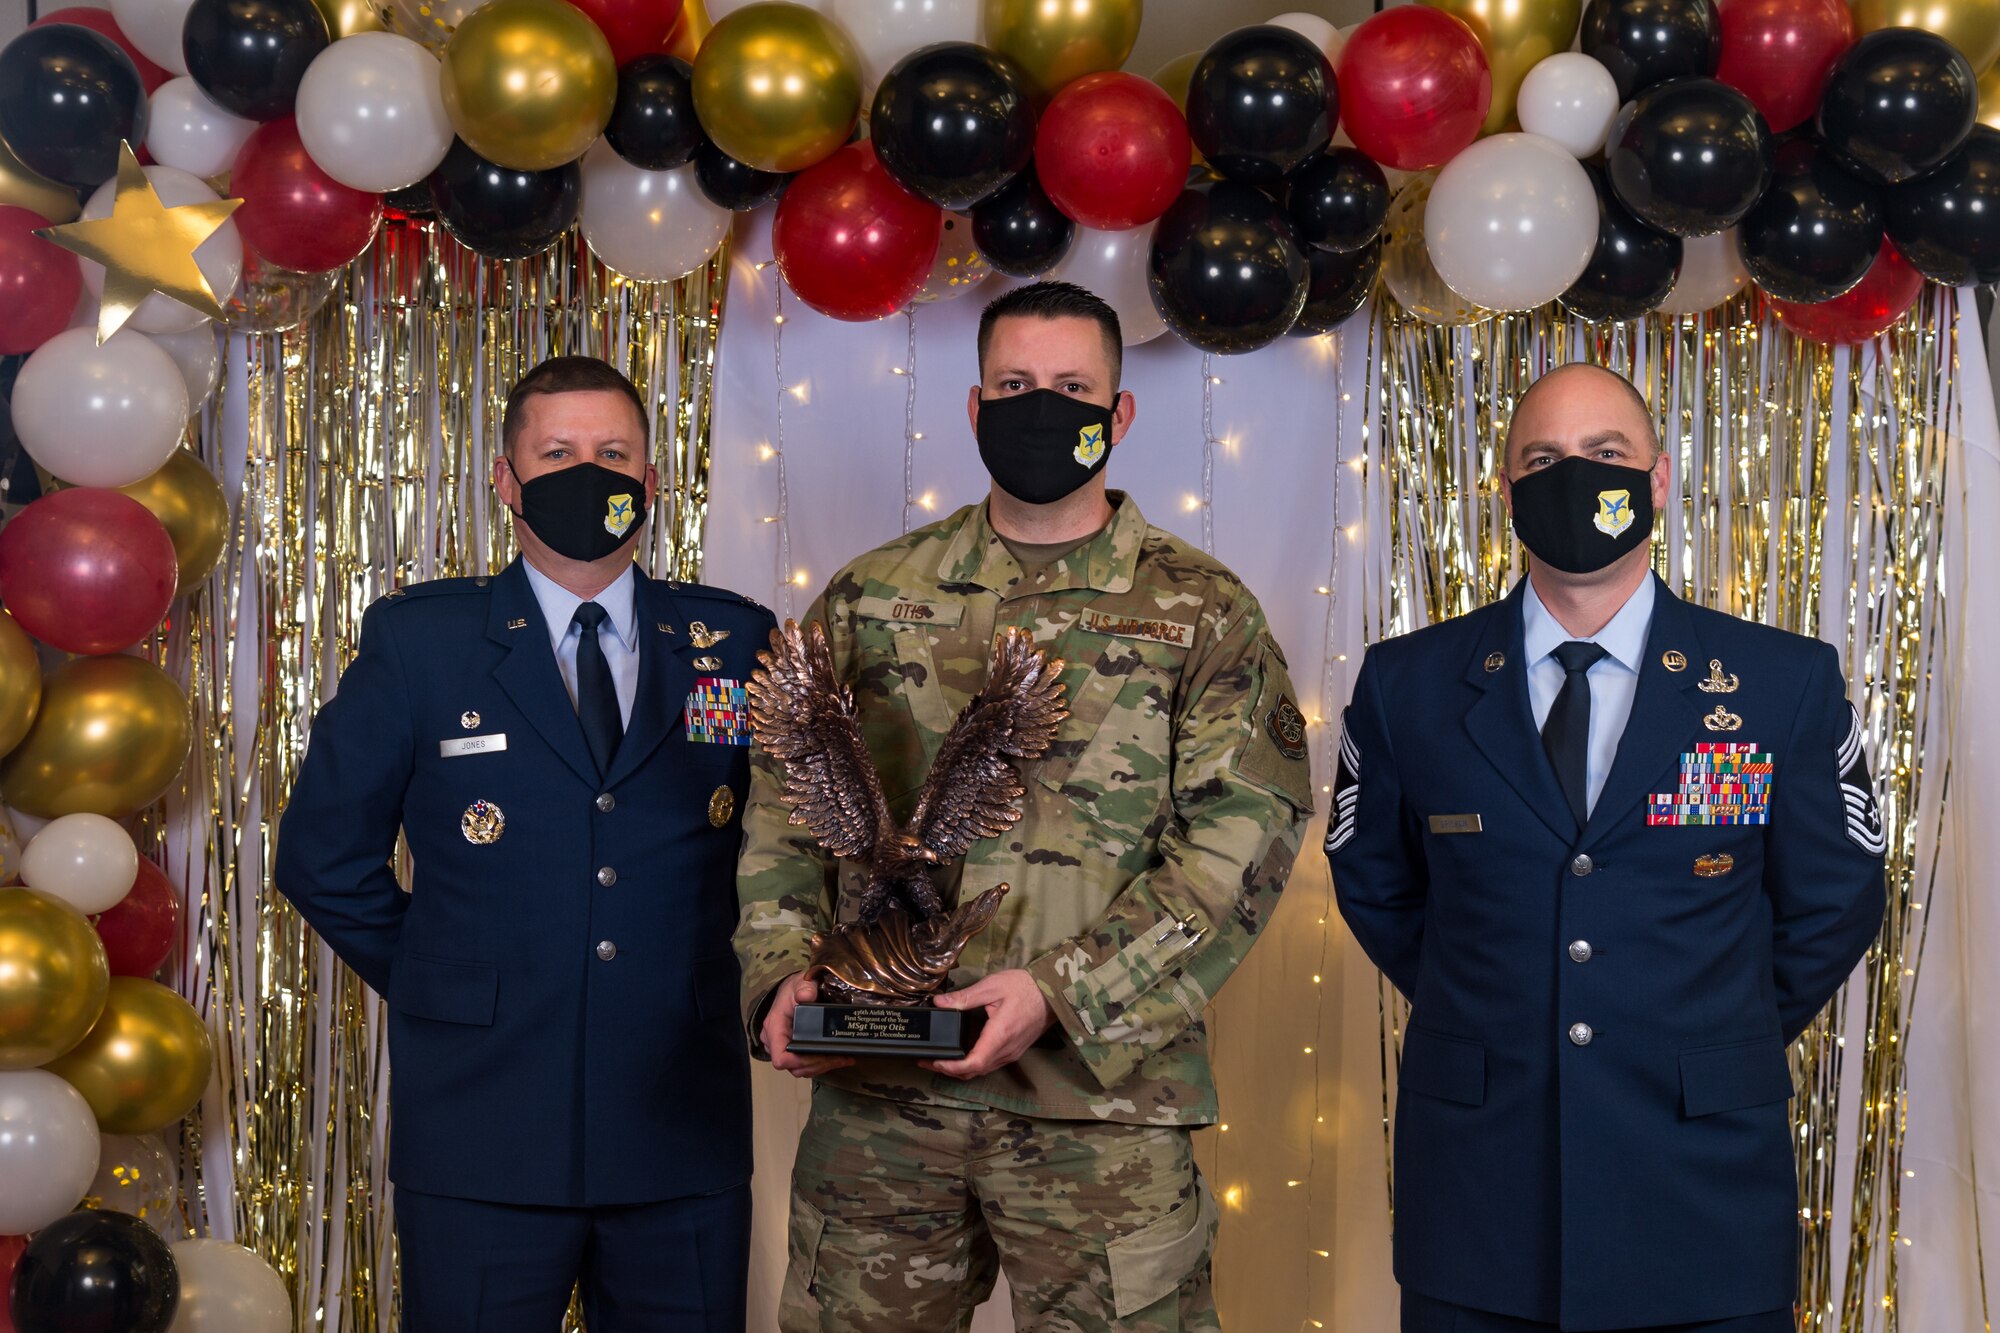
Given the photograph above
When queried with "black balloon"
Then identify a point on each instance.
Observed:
(1947, 224)
(735, 185)
(1336, 286)
(500, 212)
(249, 55)
(1225, 271)
(1261, 101)
(1632, 269)
(1337, 201)
(1898, 103)
(1021, 233)
(95, 1272)
(1644, 42)
(653, 123)
(1816, 230)
(952, 123)
(1689, 157)
(68, 97)
(412, 201)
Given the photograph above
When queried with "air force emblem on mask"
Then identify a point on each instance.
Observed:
(1614, 512)
(1089, 445)
(618, 515)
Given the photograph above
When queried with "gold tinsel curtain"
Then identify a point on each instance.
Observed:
(357, 451)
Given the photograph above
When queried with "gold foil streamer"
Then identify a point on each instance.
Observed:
(371, 433)
(1810, 494)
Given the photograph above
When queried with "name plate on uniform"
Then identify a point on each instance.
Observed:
(472, 745)
(916, 1031)
(1455, 824)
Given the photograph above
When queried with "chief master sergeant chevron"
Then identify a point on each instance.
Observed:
(1618, 850)
(563, 746)
(1155, 837)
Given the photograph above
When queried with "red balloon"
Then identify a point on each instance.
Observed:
(1882, 297)
(1112, 151)
(1779, 52)
(633, 27)
(11, 1248)
(86, 570)
(294, 214)
(140, 931)
(852, 242)
(1414, 87)
(100, 21)
(39, 283)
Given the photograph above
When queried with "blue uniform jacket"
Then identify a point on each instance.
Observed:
(1591, 1121)
(561, 989)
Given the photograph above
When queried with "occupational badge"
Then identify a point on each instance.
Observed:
(721, 805)
(704, 637)
(1089, 445)
(1714, 865)
(1717, 683)
(468, 719)
(1614, 512)
(1287, 727)
(708, 664)
(1722, 720)
(482, 823)
(618, 514)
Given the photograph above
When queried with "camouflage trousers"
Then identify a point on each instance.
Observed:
(903, 1214)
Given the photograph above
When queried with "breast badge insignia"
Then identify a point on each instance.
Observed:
(721, 805)
(482, 823)
(1717, 683)
(1722, 720)
(704, 637)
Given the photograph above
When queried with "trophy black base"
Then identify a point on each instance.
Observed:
(914, 1031)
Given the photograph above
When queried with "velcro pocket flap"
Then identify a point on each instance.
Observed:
(443, 990)
(1451, 1068)
(1728, 1078)
(1152, 1262)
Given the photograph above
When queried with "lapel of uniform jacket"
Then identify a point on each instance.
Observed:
(1502, 723)
(666, 676)
(528, 672)
(1664, 710)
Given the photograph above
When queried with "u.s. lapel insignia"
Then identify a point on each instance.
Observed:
(1614, 512)
(517, 623)
(1714, 864)
(482, 823)
(1722, 720)
(1717, 683)
(721, 805)
(708, 664)
(1674, 660)
(1494, 661)
(468, 719)
(664, 628)
(703, 636)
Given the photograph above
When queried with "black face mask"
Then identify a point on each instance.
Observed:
(1579, 515)
(585, 512)
(1042, 445)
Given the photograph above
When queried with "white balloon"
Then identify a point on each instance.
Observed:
(1511, 222)
(48, 1149)
(650, 225)
(220, 257)
(26, 826)
(1711, 272)
(100, 416)
(719, 10)
(884, 31)
(1113, 265)
(371, 112)
(227, 1289)
(1315, 30)
(199, 357)
(1570, 98)
(88, 861)
(136, 1175)
(187, 131)
(155, 28)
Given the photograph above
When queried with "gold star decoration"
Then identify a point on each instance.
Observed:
(145, 247)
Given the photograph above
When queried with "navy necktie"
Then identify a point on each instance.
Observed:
(1566, 732)
(596, 695)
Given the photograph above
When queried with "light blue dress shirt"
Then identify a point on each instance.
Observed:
(618, 636)
(1614, 679)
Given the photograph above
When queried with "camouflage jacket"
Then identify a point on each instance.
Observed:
(1156, 833)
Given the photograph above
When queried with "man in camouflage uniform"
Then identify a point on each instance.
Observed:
(1155, 837)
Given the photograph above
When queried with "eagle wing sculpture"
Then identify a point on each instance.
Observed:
(802, 714)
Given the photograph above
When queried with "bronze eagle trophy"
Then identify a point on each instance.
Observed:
(903, 941)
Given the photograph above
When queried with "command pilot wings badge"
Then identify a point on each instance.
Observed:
(1614, 512)
(618, 515)
(1089, 445)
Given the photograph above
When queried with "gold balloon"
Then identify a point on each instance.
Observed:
(777, 86)
(1407, 270)
(1173, 79)
(690, 30)
(344, 18)
(26, 188)
(1973, 26)
(53, 978)
(1056, 41)
(1989, 98)
(1516, 35)
(146, 1061)
(187, 499)
(110, 737)
(528, 83)
(20, 683)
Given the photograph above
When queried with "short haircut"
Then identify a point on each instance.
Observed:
(568, 374)
(1055, 300)
(1578, 367)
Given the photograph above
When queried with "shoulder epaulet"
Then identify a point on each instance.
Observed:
(438, 588)
(711, 592)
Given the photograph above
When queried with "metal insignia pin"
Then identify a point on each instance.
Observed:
(1494, 661)
(708, 664)
(468, 719)
(517, 624)
(721, 805)
(1674, 660)
(664, 627)
(1722, 720)
(1717, 683)
(703, 636)
(1714, 864)
(482, 823)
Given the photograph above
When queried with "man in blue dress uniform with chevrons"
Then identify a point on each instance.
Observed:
(1618, 851)
(564, 746)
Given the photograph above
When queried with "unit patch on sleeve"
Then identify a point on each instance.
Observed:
(1722, 782)
(1346, 791)
(1862, 815)
(718, 711)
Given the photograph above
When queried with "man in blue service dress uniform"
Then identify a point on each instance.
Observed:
(564, 746)
(1618, 851)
